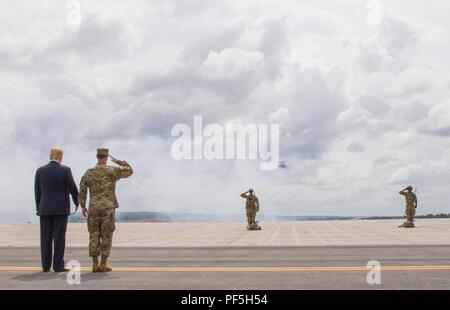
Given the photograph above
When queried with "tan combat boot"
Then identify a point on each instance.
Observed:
(95, 267)
(103, 267)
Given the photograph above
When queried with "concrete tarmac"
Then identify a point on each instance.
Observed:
(284, 255)
(402, 267)
(232, 234)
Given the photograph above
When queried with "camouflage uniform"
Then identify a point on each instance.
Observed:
(101, 182)
(410, 212)
(251, 207)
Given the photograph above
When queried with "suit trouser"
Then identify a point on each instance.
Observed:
(53, 235)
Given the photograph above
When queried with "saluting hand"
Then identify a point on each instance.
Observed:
(115, 160)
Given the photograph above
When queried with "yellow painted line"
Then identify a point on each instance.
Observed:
(244, 269)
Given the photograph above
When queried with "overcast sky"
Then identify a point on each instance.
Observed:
(361, 96)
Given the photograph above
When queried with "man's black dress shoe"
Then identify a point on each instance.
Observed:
(62, 270)
(46, 270)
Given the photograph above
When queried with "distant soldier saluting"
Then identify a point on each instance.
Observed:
(251, 206)
(101, 183)
(411, 205)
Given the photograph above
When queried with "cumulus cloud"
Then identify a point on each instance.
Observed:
(231, 63)
(438, 120)
(362, 107)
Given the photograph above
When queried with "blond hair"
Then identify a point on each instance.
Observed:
(56, 153)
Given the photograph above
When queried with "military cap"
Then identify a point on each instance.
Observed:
(102, 152)
(409, 187)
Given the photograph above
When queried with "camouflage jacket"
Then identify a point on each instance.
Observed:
(101, 183)
(411, 199)
(252, 201)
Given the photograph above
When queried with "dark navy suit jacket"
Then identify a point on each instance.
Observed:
(53, 184)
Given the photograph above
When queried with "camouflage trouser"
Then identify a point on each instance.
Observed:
(251, 215)
(410, 213)
(101, 225)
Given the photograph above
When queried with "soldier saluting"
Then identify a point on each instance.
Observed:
(101, 182)
(251, 206)
(411, 205)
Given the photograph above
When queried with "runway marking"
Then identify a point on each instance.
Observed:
(245, 269)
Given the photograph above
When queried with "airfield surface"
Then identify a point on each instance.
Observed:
(284, 255)
(232, 234)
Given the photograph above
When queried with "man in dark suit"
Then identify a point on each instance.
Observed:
(53, 184)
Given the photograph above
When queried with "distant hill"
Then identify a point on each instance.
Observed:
(199, 217)
(428, 216)
(18, 217)
(202, 217)
(162, 217)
